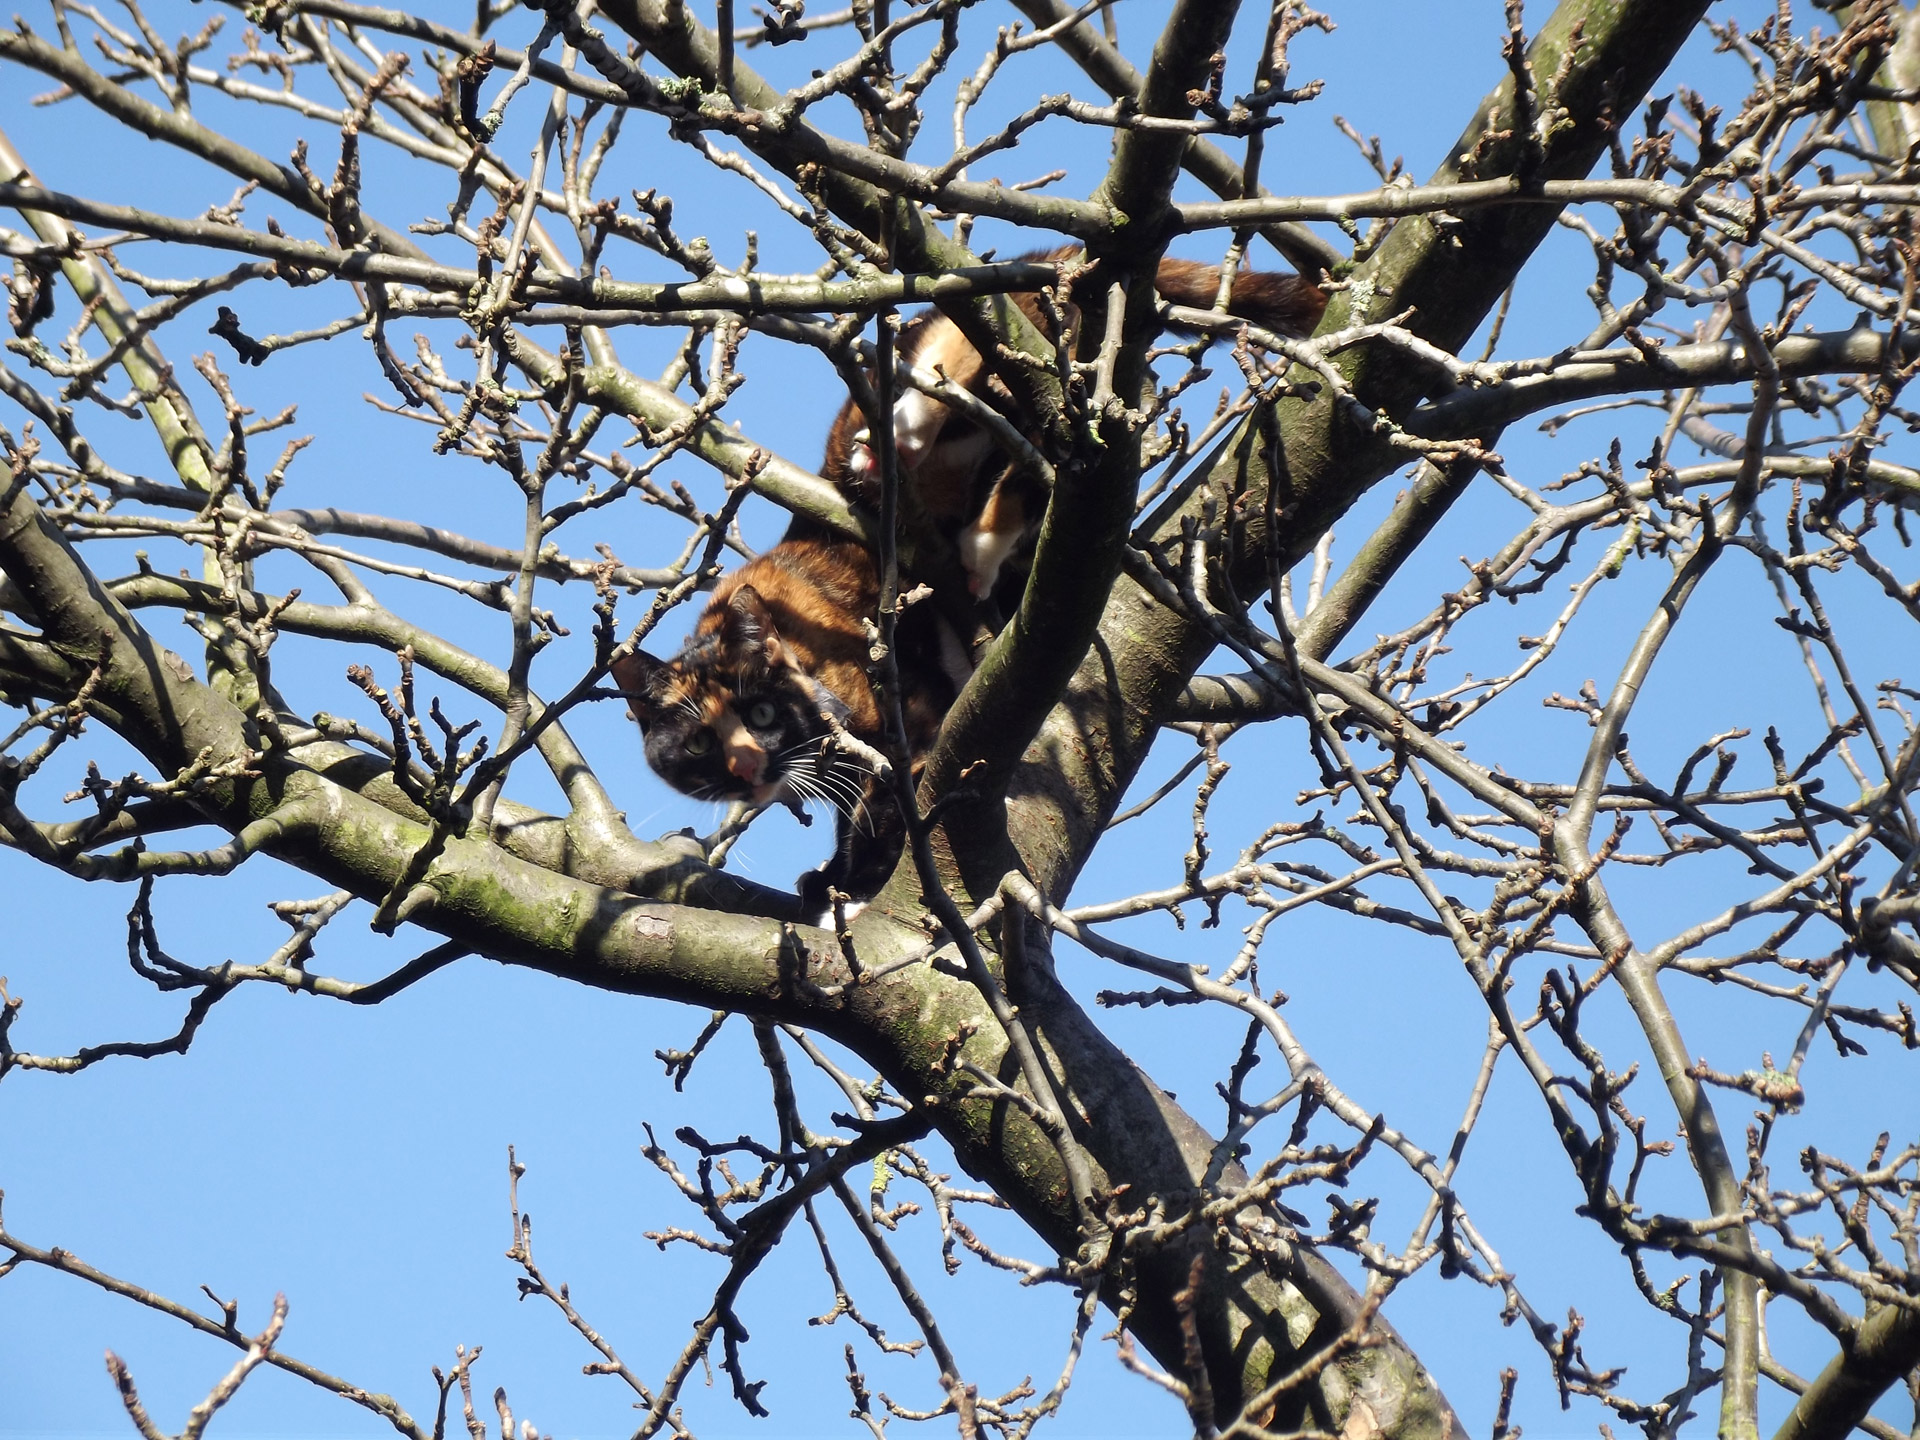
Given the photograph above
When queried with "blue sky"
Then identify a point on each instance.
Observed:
(356, 1159)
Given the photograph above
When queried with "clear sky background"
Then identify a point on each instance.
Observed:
(356, 1159)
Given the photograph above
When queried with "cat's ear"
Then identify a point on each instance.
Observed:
(639, 675)
(748, 627)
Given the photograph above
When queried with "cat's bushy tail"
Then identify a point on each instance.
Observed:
(1275, 300)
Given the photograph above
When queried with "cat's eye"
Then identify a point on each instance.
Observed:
(760, 714)
(700, 742)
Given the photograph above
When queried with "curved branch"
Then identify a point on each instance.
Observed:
(1881, 1354)
(1677, 367)
(744, 294)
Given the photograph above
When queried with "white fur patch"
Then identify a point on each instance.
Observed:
(983, 552)
(916, 425)
(824, 920)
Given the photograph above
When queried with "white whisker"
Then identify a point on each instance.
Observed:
(806, 791)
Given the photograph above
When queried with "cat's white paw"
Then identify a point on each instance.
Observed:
(983, 553)
(824, 920)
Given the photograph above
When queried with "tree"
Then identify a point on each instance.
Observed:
(1751, 290)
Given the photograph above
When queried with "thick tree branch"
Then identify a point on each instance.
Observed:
(1081, 540)
(1879, 1355)
(1147, 653)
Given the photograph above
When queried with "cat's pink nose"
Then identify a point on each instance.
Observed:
(745, 757)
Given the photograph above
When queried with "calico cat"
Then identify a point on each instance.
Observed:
(742, 712)
(989, 506)
(746, 710)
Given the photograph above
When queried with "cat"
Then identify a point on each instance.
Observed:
(781, 656)
(989, 505)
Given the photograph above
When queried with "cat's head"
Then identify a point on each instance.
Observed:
(730, 717)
